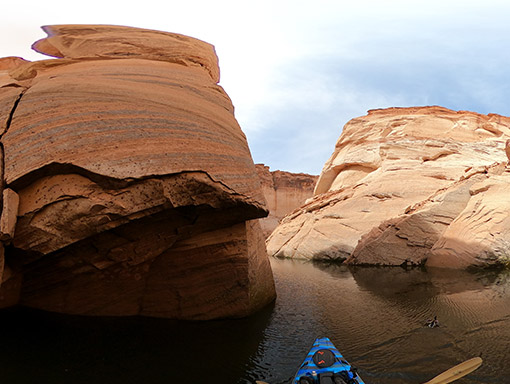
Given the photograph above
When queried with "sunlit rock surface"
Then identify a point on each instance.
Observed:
(408, 186)
(284, 192)
(131, 182)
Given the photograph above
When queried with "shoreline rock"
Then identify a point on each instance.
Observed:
(137, 191)
(405, 186)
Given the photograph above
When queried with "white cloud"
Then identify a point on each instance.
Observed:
(298, 70)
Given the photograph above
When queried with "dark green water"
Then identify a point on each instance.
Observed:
(374, 316)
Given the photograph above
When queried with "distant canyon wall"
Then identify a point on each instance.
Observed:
(409, 186)
(284, 192)
(128, 186)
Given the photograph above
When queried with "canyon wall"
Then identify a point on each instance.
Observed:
(408, 186)
(284, 192)
(128, 185)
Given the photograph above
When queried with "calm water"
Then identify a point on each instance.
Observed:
(374, 316)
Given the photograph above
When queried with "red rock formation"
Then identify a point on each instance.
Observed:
(8, 63)
(408, 186)
(136, 186)
(284, 192)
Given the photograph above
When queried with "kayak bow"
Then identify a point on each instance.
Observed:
(324, 364)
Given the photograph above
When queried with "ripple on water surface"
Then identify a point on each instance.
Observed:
(374, 316)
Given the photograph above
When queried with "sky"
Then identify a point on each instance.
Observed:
(297, 71)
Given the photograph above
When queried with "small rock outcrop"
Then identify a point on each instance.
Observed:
(507, 150)
(284, 192)
(128, 185)
(408, 186)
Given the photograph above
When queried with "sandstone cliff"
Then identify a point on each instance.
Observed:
(408, 186)
(128, 185)
(284, 192)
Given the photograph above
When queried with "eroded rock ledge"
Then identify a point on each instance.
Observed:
(128, 185)
(408, 186)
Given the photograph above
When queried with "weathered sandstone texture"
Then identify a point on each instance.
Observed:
(128, 185)
(284, 192)
(408, 186)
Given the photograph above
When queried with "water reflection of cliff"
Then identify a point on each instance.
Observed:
(378, 317)
(50, 348)
(393, 282)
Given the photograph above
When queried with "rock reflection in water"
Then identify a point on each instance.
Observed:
(46, 348)
(376, 317)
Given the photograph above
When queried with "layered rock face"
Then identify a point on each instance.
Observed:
(284, 192)
(408, 186)
(128, 185)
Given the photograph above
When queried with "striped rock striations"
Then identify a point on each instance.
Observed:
(128, 185)
(408, 186)
(284, 192)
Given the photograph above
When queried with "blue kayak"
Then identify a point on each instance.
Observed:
(325, 365)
